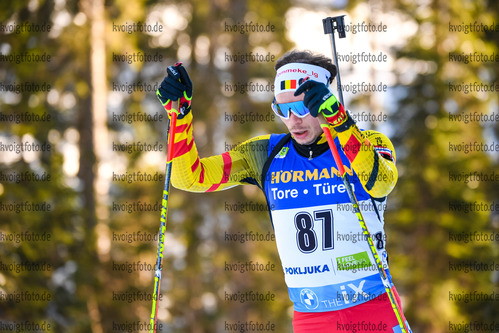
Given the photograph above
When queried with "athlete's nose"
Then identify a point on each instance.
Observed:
(294, 118)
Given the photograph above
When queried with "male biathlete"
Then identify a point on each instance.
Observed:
(330, 273)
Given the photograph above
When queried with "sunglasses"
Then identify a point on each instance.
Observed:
(283, 110)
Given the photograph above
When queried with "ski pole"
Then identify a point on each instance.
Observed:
(337, 23)
(164, 211)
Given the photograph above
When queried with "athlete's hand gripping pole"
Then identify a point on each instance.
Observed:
(337, 23)
(172, 108)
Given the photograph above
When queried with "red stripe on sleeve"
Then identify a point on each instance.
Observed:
(201, 174)
(226, 172)
(352, 148)
(227, 167)
(181, 128)
(180, 148)
(195, 165)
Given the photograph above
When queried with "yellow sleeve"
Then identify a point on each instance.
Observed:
(241, 165)
(372, 157)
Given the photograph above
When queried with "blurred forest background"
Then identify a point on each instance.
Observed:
(99, 279)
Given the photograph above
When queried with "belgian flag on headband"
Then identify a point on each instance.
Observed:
(288, 84)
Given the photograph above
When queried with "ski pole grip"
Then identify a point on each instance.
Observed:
(327, 24)
(331, 23)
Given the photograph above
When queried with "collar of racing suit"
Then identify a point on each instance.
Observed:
(318, 147)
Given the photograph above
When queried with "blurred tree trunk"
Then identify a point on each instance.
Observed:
(93, 144)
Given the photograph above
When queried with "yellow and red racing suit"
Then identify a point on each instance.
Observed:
(326, 262)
